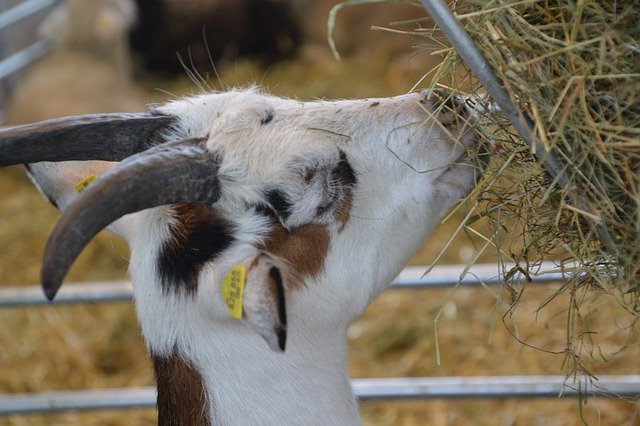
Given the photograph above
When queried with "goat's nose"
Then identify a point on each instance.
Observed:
(442, 100)
(448, 109)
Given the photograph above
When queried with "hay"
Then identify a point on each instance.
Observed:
(574, 68)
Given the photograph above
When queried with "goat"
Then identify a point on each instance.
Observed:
(205, 31)
(259, 227)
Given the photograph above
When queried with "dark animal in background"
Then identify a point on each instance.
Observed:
(200, 32)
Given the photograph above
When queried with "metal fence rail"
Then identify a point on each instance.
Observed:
(411, 278)
(23, 10)
(20, 41)
(365, 389)
(23, 58)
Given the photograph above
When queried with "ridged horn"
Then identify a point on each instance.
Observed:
(174, 172)
(108, 137)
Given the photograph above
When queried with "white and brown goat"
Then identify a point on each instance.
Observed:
(318, 204)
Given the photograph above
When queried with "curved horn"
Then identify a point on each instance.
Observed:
(175, 172)
(108, 137)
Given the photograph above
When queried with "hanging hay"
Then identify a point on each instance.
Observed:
(574, 68)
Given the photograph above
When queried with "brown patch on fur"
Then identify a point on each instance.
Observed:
(188, 216)
(304, 248)
(181, 394)
(254, 262)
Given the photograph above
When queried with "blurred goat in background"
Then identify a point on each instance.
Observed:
(202, 32)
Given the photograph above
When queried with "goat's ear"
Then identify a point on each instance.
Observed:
(61, 183)
(254, 293)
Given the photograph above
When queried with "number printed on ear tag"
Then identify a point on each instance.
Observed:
(80, 186)
(233, 290)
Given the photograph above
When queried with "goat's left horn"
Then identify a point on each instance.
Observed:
(108, 137)
(174, 172)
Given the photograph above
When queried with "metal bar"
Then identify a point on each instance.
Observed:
(495, 387)
(23, 10)
(24, 57)
(478, 64)
(99, 291)
(80, 400)
(479, 274)
(364, 389)
(410, 277)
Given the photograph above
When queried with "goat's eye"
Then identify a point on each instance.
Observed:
(280, 203)
(312, 191)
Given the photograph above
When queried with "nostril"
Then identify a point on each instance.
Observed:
(448, 109)
(426, 98)
(442, 101)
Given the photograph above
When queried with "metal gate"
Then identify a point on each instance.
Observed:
(20, 41)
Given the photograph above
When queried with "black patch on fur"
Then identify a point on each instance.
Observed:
(343, 172)
(265, 210)
(268, 117)
(197, 237)
(279, 203)
(281, 331)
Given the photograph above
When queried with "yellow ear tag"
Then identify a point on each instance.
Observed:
(80, 186)
(233, 290)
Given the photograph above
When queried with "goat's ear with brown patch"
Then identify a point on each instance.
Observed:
(254, 293)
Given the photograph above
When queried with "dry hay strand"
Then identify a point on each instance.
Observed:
(574, 68)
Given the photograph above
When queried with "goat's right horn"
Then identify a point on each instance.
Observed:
(108, 137)
(174, 172)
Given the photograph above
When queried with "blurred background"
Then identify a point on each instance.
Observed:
(121, 55)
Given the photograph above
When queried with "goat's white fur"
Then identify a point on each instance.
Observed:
(407, 179)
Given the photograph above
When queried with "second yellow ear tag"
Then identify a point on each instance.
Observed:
(233, 290)
(80, 186)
